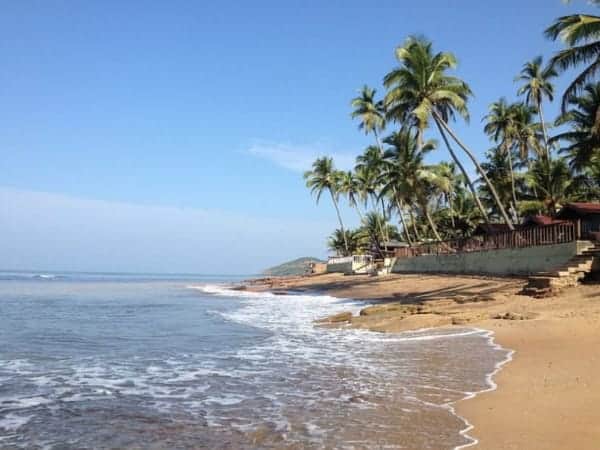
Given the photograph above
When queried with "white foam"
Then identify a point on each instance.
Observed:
(12, 422)
(492, 386)
(226, 400)
(280, 313)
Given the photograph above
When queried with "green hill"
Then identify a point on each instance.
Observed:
(298, 266)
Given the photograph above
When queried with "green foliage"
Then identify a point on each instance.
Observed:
(583, 136)
(393, 181)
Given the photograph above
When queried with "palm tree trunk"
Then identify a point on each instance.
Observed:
(400, 207)
(512, 177)
(479, 169)
(384, 229)
(377, 140)
(379, 224)
(545, 131)
(337, 210)
(360, 214)
(431, 223)
(451, 207)
(465, 174)
(414, 224)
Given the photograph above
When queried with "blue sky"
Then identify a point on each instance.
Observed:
(113, 113)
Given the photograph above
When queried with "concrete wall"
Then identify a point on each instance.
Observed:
(342, 267)
(517, 261)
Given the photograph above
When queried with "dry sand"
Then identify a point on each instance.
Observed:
(548, 397)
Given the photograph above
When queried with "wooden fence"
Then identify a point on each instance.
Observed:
(528, 237)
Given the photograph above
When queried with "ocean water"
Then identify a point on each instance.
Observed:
(121, 361)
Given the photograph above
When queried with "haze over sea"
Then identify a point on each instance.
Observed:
(114, 361)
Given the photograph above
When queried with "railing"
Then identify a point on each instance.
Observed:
(528, 237)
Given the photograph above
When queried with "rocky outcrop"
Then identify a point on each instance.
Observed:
(397, 308)
(337, 318)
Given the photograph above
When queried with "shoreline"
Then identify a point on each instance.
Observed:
(545, 399)
(492, 387)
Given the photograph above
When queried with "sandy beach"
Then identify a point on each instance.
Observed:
(547, 396)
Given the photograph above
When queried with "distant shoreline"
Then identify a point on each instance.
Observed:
(547, 396)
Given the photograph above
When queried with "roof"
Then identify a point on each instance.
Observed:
(581, 208)
(394, 244)
(491, 228)
(540, 220)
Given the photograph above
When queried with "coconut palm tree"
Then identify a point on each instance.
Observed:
(373, 232)
(500, 127)
(527, 134)
(420, 90)
(553, 180)
(350, 185)
(406, 172)
(583, 137)
(371, 161)
(443, 176)
(581, 35)
(323, 177)
(370, 112)
(537, 85)
(497, 168)
(344, 242)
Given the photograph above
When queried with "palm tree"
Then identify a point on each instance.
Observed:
(406, 172)
(349, 185)
(583, 137)
(500, 127)
(324, 177)
(581, 34)
(371, 161)
(553, 180)
(536, 86)
(420, 90)
(527, 134)
(374, 232)
(370, 112)
(443, 176)
(344, 242)
(497, 168)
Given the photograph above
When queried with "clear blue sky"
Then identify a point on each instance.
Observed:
(117, 116)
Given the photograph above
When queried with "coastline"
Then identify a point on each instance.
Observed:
(546, 398)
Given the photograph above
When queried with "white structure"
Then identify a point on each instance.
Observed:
(355, 264)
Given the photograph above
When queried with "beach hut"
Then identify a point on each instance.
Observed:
(585, 215)
(540, 220)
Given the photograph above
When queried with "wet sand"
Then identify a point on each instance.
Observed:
(547, 396)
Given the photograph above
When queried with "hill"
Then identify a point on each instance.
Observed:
(298, 266)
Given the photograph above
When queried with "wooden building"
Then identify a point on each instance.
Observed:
(585, 216)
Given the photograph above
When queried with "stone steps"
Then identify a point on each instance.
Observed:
(546, 284)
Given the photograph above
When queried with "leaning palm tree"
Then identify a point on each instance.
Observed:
(420, 89)
(370, 112)
(537, 85)
(581, 35)
(583, 137)
(324, 177)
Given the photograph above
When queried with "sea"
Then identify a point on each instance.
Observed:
(117, 361)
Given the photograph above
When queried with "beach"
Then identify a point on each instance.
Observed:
(546, 396)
